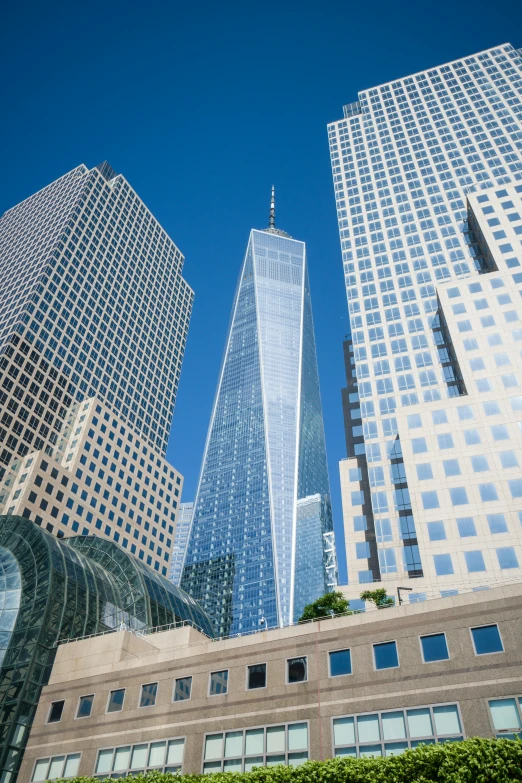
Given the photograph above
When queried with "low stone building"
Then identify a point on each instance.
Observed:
(368, 684)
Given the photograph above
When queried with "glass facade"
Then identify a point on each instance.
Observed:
(184, 520)
(53, 591)
(257, 549)
(413, 161)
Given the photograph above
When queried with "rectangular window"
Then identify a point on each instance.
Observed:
(443, 564)
(182, 688)
(85, 706)
(391, 733)
(241, 750)
(434, 648)
(148, 694)
(385, 655)
(474, 561)
(340, 662)
(56, 767)
(55, 712)
(130, 760)
(486, 639)
(256, 676)
(505, 716)
(296, 670)
(116, 699)
(218, 683)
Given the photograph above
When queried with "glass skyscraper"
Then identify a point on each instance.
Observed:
(262, 525)
(424, 169)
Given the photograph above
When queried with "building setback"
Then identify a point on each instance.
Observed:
(90, 358)
(370, 684)
(425, 175)
(260, 544)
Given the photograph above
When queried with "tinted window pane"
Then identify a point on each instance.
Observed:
(218, 683)
(340, 663)
(148, 694)
(116, 699)
(386, 655)
(487, 639)
(297, 670)
(55, 713)
(434, 648)
(257, 676)
(85, 706)
(182, 688)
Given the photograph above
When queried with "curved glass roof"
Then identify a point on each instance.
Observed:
(53, 590)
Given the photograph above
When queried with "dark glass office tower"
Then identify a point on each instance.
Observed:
(262, 525)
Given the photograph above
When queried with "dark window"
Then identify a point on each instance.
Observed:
(386, 656)
(434, 647)
(182, 688)
(487, 639)
(297, 669)
(116, 699)
(148, 694)
(55, 713)
(256, 676)
(340, 663)
(85, 706)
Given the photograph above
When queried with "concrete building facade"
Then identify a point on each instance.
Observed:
(101, 479)
(374, 683)
(426, 174)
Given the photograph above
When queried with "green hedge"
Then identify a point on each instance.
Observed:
(471, 761)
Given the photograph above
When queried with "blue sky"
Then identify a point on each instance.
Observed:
(202, 106)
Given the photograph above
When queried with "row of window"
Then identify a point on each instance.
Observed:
(383, 733)
(434, 647)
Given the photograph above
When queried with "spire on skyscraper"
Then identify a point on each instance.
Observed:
(271, 218)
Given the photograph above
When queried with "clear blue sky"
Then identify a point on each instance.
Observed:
(202, 106)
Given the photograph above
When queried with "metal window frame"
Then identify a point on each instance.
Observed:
(114, 748)
(488, 625)
(518, 702)
(427, 635)
(382, 742)
(85, 695)
(294, 658)
(217, 671)
(248, 666)
(144, 706)
(187, 677)
(286, 752)
(50, 757)
(346, 674)
(115, 690)
(386, 668)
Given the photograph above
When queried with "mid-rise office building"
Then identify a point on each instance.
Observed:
(425, 175)
(260, 545)
(90, 358)
(373, 684)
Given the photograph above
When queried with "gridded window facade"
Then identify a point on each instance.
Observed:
(81, 263)
(392, 732)
(56, 768)
(427, 175)
(242, 750)
(162, 756)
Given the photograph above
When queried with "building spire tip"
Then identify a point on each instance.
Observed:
(271, 219)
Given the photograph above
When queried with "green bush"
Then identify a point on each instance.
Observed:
(470, 761)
